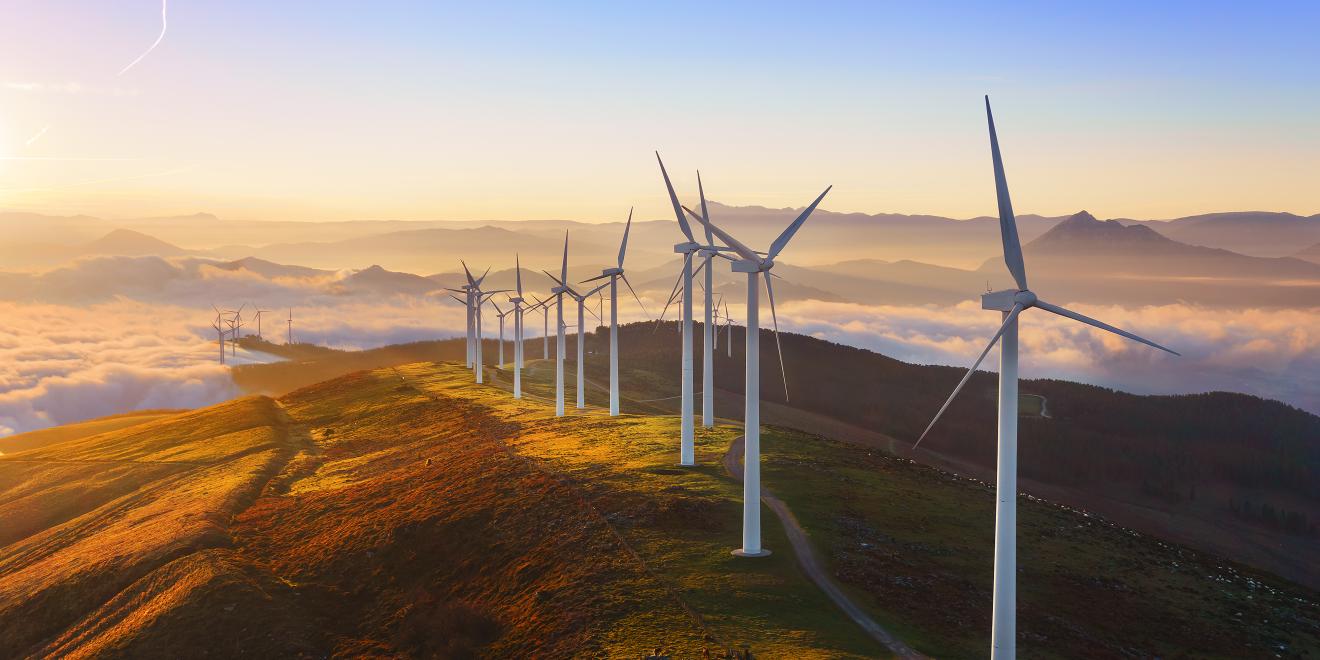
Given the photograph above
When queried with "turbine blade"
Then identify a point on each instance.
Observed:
(1008, 232)
(1063, 311)
(792, 228)
(673, 199)
(770, 294)
(517, 272)
(467, 272)
(483, 277)
(623, 246)
(563, 269)
(593, 279)
(458, 300)
(634, 294)
(1012, 315)
(705, 213)
(744, 251)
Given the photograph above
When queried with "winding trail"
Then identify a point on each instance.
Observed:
(811, 564)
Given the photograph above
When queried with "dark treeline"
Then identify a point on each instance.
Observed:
(1164, 446)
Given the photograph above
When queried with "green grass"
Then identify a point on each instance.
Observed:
(915, 545)
(683, 522)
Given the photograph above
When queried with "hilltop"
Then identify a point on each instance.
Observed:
(406, 511)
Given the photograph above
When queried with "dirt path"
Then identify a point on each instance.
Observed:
(811, 564)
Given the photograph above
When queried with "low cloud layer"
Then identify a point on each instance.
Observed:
(1271, 353)
(111, 335)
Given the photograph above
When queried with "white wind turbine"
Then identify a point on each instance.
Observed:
(501, 314)
(615, 274)
(558, 296)
(756, 267)
(517, 301)
(687, 449)
(545, 323)
(259, 313)
(288, 337)
(1011, 303)
(581, 299)
(220, 332)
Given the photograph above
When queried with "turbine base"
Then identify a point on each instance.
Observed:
(743, 553)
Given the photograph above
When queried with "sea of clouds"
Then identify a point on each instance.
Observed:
(110, 335)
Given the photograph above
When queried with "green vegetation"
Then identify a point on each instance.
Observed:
(406, 511)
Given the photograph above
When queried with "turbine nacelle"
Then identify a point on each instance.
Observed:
(687, 248)
(1004, 301)
(611, 271)
(746, 266)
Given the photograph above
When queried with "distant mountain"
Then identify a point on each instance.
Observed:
(1311, 254)
(270, 269)
(129, 243)
(378, 280)
(1084, 245)
(1257, 233)
(1084, 259)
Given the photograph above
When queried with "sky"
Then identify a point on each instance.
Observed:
(337, 110)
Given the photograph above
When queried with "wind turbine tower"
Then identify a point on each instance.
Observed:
(687, 451)
(1010, 303)
(757, 267)
(614, 274)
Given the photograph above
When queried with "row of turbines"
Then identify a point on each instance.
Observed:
(757, 266)
(229, 323)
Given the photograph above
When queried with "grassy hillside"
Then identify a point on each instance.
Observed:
(1230, 473)
(50, 436)
(405, 511)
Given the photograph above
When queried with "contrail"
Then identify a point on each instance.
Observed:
(163, 25)
(36, 137)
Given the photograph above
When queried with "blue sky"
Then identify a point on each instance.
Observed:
(533, 110)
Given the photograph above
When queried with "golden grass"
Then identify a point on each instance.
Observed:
(55, 434)
(99, 512)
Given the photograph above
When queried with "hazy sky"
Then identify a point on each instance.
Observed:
(425, 110)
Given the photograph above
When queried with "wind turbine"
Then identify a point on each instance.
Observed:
(615, 274)
(581, 299)
(501, 314)
(687, 451)
(288, 338)
(220, 333)
(728, 329)
(757, 266)
(1010, 303)
(545, 323)
(707, 253)
(517, 301)
(558, 297)
(235, 328)
(259, 313)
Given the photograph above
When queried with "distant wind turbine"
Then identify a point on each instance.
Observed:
(501, 314)
(1011, 303)
(756, 267)
(220, 332)
(259, 313)
(614, 274)
(558, 296)
(517, 301)
(288, 337)
(581, 299)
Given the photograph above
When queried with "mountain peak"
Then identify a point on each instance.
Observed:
(129, 243)
(1082, 230)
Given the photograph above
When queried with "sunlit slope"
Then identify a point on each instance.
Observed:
(394, 512)
(50, 436)
(87, 517)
